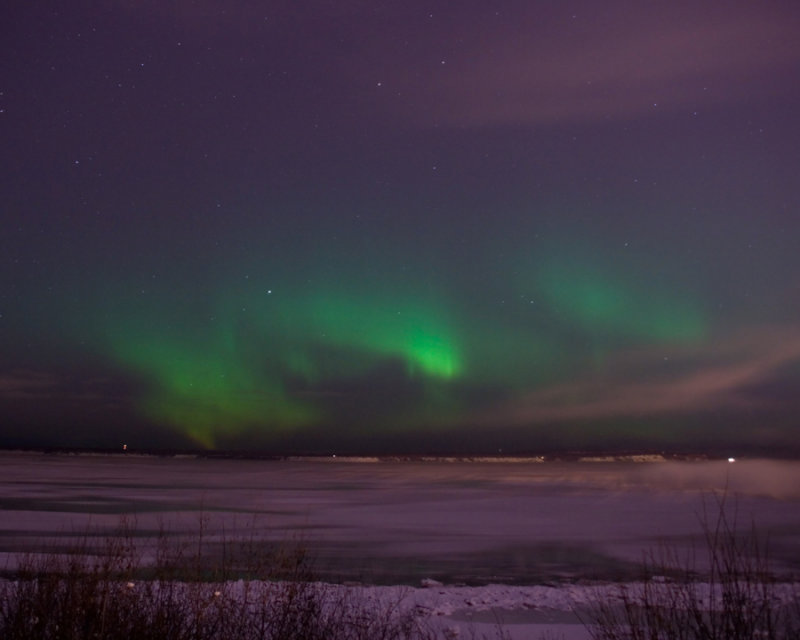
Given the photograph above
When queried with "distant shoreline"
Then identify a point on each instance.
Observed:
(566, 456)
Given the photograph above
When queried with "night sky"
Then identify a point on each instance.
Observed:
(377, 226)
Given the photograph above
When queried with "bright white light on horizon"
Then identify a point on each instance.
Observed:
(731, 459)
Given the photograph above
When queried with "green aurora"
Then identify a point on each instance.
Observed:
(270, 360)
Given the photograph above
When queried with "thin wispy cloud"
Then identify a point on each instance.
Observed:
(718, 378)
(641, 62)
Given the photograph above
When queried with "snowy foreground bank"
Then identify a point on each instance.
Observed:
(492, 611)
(513, 612)
(443, 612)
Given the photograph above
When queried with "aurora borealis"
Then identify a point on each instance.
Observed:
(348, 226)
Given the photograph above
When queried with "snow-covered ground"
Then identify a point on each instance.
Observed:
(496, 611)
(520, 542)
(513, 612)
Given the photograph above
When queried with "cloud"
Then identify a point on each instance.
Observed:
(43, 386)
(624, 61)
(528, 63)
(717, 376)
(27, 385)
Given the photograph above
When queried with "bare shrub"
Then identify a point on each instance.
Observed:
(724, 590)
(226, 590)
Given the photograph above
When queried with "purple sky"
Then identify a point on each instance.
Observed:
(417, 226)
